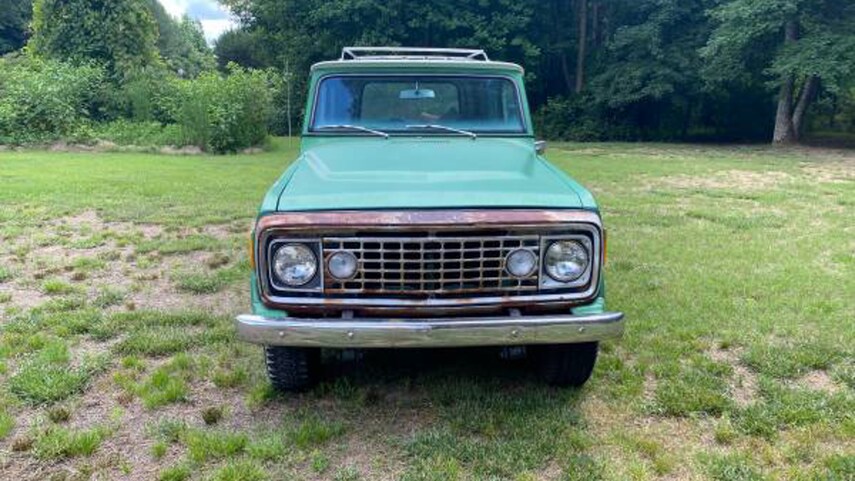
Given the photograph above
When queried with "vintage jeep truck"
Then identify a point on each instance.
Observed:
(421, 213)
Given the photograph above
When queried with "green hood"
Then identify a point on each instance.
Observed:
(428, 172)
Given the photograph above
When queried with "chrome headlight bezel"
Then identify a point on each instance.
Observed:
(314, 284)
(590, 244)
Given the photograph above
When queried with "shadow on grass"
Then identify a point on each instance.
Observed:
(405, 366)
(455, 411)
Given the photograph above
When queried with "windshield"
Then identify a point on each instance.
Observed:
(424, 103)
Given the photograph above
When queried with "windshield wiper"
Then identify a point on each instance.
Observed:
(357, 128)
(446, 128)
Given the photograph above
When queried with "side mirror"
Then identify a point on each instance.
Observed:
(540, 146)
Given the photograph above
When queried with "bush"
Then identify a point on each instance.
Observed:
(144, 134)
(226, 114)
(149, 95)
(577, 118)
(45, 100)
(41, 101)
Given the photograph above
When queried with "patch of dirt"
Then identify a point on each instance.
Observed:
(819, 381)
(22, 297)
(107, 146)
(835, 172)
(187, 150)
(739, 180)
(680, 438)
(743, 383)
(219, 231)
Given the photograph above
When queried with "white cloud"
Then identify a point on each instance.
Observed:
(215, 18)
(214, 28)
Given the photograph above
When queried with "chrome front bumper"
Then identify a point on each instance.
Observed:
(445, 332)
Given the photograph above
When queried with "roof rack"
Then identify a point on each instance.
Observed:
(412, 53)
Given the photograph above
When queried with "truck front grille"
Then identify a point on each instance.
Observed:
(431, 266)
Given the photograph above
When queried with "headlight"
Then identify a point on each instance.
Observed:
(521, 263)
(342, 265)
(294, 264)
(566, 260)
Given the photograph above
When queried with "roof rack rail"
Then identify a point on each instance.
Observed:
(374, 53)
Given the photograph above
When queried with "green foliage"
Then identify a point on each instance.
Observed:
(45, 100)
(242, 47)
(14, 17)
(144, 134)
(181, 43)
(226, 114)
(120, 34)
(577, 118)
(146, 95)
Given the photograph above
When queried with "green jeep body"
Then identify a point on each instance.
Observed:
(450, 202)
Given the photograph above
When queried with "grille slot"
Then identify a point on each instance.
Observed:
(431, 266)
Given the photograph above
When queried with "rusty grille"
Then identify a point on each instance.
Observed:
(431, 266)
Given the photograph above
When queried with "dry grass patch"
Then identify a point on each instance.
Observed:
(738, 180)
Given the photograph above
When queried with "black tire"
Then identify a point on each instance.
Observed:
(565, 365)
(292, 369)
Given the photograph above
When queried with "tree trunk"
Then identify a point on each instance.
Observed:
(595, 25)
(784, 132)
(583, 44)
(783, 119)
(565, 71)
(558, 12)
(808, 93)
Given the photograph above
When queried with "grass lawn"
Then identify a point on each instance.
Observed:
(735, 266)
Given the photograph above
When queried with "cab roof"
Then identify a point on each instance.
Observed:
(361, 58)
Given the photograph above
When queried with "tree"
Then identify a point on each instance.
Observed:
(303, 32)
(583, 45)
(181, 43)
(242, 47)
(799, 45)
(14, 19)
(120, 34)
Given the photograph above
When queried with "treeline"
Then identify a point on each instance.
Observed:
(726, 70)
(601, 69)
(123, 71)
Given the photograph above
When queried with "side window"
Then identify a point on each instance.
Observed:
(337, 102)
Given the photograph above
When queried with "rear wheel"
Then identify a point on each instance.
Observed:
(566, 364)
(292, 369)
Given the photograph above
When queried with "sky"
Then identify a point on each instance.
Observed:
(214, 17)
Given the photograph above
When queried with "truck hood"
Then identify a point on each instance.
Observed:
(427, 172)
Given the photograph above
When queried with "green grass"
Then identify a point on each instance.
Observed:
(47, 377)
(58, 443)
(209, 282)
(168, 384)
(7, 424)
(734, 265)
(57, 287)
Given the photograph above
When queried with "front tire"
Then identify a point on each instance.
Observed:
(292, 369)
(565, 365)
